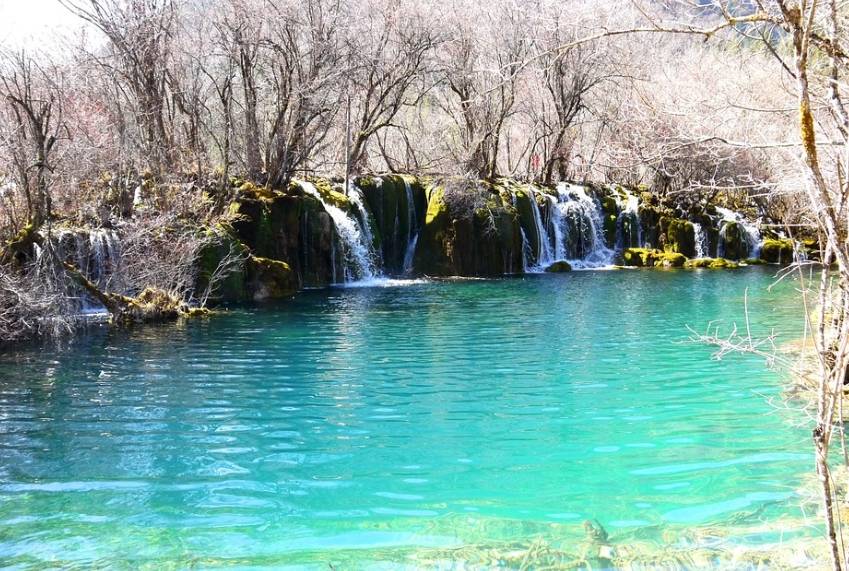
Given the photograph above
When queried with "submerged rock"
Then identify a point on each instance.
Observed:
(559, 267)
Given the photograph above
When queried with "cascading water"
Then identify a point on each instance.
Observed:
(750, 229)
(582, 228)
(629, 233)
(354, 234)
(96, 254)
(702, 247)
(572, 231)
(544, 255)
(412, 230)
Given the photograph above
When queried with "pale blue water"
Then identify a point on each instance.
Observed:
(366, 424)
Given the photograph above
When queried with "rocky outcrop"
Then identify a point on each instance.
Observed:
(777, 251)
(482, 241)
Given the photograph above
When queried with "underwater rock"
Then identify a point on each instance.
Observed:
(559, 267)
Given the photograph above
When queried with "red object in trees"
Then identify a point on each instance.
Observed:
(535, 162)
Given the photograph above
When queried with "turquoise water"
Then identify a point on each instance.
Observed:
(364, 425)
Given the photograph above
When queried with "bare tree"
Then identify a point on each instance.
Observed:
(32, 125)
(139, 34)
(390, 59)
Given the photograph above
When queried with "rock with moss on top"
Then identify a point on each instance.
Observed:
(638, 257)
(711, 263)
(270, 279)
(777, 251)
(651, 258)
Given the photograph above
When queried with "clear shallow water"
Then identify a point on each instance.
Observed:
(364, 424)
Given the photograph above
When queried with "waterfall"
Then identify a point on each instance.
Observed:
(544, 256)
(555, 224)
(753, 234)
(355, 234)
(702, 248)
(582, 228)
(629, 233)
(573, 230)
(526, 249)
(95, 253)
(412, 230)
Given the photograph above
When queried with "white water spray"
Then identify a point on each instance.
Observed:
(356, 245)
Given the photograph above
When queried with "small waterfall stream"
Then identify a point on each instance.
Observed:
(572, 230)
(354, 232)
(412, 230)
(702, 247)
(544, 256)
(582, 228)
(629, 232)
(96, 253)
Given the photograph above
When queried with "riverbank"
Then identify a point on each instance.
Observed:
(273, 243)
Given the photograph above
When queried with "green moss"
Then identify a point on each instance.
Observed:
(652, 258)
(670, 260)
(271, 279)
(250, 190)
(232, 287)
(735, 242)
(778, 251)
(639, 257)
(680, 236)
(754, 262)
(711, 263)
(331, 196)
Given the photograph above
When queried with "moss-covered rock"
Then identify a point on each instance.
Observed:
(222, 244)
(637, 257)
(559, 267)
(270, 279)
(680, 236)
(711, 263)
(487, 243)
(670, 260)
(523, 202)
(610, 216)
(733, 241)
(652, 258)
(754, 262)
(777, 251)
(292, 227)
(398, 205)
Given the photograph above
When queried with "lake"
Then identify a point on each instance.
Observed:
(418, 423)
